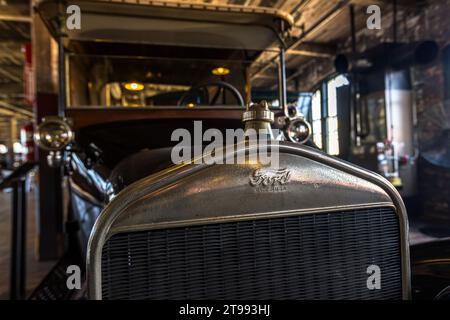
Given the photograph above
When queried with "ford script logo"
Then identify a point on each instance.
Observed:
(269, 177)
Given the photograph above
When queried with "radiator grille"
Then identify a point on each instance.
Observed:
(314, 256)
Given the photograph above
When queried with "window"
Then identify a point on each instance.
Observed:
(332, 135)
(324, 115)
(316, 106)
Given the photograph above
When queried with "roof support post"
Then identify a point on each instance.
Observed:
(282, 91)
(282, 94)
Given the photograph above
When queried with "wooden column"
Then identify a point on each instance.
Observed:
(12, 138)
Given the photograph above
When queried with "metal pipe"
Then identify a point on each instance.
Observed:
(248, 87)
(353, 27)
(296, 11)
(13, 18)
(394, 22)
(282, 95)
(309, 53)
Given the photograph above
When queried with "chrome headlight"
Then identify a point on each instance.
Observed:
(298, 130)
(53, 134)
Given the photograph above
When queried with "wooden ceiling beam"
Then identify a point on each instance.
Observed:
(311, 49)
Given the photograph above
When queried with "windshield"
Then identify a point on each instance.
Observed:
(185, 80)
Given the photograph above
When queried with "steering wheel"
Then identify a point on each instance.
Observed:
(200, 94)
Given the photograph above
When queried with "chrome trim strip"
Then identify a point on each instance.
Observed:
(103, 227)
(244, 217)
(84, 194)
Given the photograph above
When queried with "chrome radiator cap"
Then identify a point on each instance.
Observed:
(258, 117)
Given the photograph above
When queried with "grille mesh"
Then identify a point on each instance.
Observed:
(314, 256)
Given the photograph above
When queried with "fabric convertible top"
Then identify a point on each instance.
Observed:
(169, 23)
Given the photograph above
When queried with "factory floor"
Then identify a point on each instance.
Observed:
(37, 270)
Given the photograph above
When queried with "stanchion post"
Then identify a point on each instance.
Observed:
(18, 240)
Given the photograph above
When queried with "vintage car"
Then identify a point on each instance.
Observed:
(315, 227)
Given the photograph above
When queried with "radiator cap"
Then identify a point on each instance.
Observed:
(258, 117)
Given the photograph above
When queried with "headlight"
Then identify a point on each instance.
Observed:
(298, 130)
(53, 134)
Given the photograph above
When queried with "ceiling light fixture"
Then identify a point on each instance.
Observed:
(220, 71)
(134, 86)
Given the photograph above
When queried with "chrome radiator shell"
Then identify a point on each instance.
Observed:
(200, 194)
